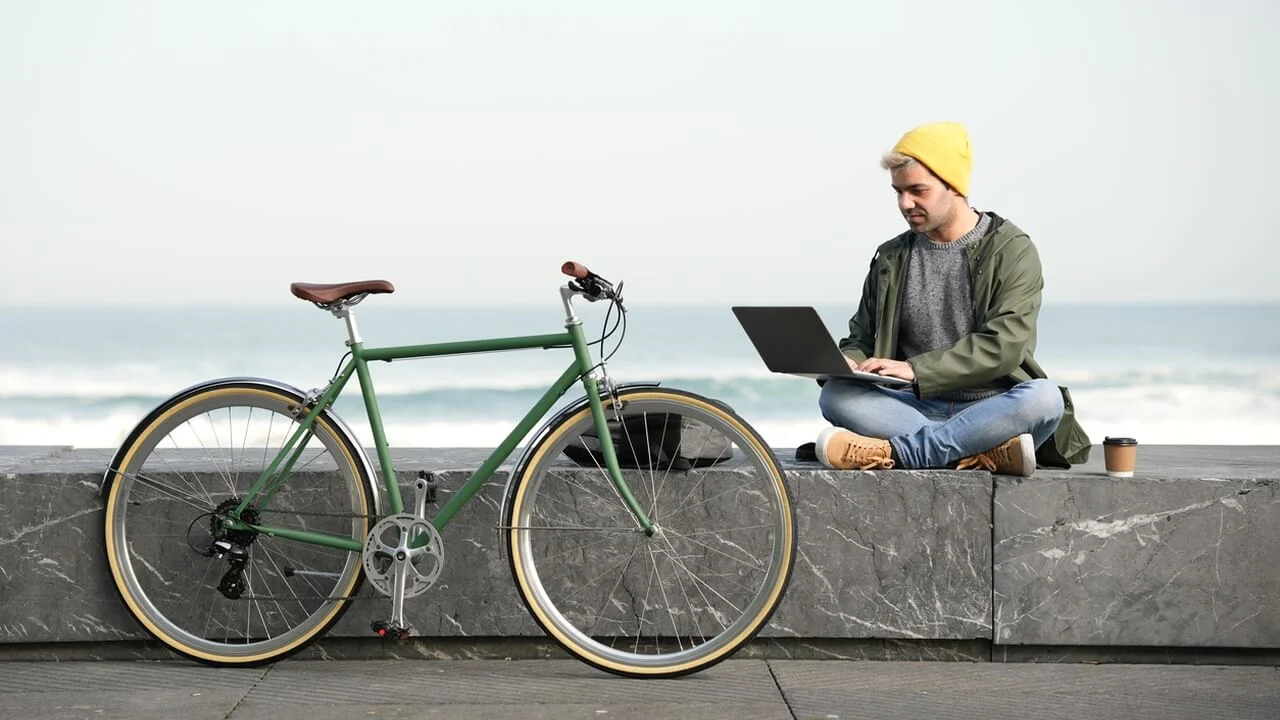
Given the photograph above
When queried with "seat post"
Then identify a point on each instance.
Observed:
(343, 310)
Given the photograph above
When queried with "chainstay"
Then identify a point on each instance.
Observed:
(312, 597)
(326, 598)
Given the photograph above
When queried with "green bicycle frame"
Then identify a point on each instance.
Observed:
(276, 474)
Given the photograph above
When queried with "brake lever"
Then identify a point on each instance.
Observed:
(589, 290)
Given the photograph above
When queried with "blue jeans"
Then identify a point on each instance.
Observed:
(933, 433)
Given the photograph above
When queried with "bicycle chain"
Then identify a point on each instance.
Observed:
(320, 514)
(304, 597)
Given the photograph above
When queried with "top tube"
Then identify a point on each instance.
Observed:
(463, 347)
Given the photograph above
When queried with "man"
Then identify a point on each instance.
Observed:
(950, 305)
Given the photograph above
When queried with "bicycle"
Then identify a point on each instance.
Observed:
(242, 515)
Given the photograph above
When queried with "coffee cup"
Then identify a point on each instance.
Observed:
(1121, 455)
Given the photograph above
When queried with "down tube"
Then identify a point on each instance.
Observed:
(503, 451)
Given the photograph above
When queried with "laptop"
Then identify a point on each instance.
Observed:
(794, 341)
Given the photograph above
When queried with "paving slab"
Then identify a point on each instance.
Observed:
(798, 689)
(122, 690)
(993, 691)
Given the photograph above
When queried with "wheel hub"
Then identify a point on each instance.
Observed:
(218, 524)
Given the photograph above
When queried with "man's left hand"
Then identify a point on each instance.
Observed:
(891, 368)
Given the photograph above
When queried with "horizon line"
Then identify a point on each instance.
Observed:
(279, 305)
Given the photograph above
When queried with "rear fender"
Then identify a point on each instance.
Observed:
(297, 395)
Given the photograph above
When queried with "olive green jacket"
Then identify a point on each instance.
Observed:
(1004, 272)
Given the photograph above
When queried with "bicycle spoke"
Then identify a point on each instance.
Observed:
(681, 558)
(604, 601)
(693, 615)
(698, 581)
(174, 493)
(721, 553)
(662, 590)
(573, 528)
(592, 581)
(211, 447)
(574, 507)
(712, 572)
(706, 601)
(614, 500)
(704, 501)
(579, 548)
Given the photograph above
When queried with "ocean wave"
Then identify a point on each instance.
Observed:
(143, 383)
(1262, 375)
(136, 382)
(1155, 414)
(1220, 401)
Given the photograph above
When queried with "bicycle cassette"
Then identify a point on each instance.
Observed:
(389, 549)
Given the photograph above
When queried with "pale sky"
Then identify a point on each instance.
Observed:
(704, 152)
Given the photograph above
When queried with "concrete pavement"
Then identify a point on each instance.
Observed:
(737, 689)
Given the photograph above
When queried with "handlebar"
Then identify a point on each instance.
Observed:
(576, 270)
(592, 286)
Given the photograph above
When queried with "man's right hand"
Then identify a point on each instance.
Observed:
(890, 368)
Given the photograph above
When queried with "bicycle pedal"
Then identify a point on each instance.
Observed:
(388, 631)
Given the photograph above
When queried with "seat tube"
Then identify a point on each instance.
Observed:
(356, 343)
(389, 481)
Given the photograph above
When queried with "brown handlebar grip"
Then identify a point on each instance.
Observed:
(573, 269)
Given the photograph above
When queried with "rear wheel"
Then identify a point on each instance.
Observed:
(211, 592)
(666, 604)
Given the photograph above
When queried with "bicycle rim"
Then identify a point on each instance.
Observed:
(197, 455)
(683, 599)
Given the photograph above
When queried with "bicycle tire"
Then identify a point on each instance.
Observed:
(557, 521)
(162, 490)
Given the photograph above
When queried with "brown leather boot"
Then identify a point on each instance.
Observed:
(842, 449)
(1015, 456)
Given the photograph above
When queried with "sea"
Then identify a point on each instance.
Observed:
(84, 376)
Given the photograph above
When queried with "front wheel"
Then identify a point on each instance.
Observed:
(684, 597)
(192, 579)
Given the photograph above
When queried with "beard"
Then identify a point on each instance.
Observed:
(925, 222)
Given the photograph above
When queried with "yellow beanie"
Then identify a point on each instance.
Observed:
(943, 148)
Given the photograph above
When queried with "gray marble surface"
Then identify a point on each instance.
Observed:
(1147, 561)
(53, 580)
(881, 555)
(1184, 555)
(891, 554)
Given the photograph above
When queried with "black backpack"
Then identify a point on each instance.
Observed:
(662, 441)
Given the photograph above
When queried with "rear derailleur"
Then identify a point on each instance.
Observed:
(233, 545)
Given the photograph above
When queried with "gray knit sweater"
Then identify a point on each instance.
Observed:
(937, 309)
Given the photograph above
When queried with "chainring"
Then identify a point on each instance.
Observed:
(388, 546)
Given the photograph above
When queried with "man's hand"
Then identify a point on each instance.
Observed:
(882, 366)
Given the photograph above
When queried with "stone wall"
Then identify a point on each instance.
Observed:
(1182, 556)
